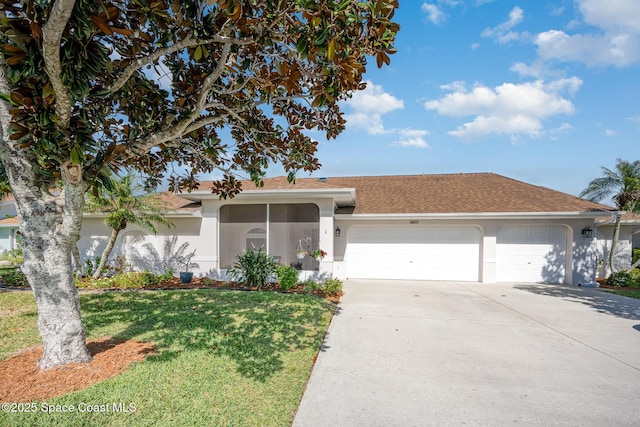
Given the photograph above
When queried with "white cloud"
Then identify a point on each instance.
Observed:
(372, 123)
(411, 138)
(590, 49)
(368, 106)
(554, 133)
(434, 13)
(556, 10)
(612, 15)
(537, 69)
(509, 109)
(474, 46)
(610, 132)
(374, 100)
(502, 33)
(411, 142)
(613, 40)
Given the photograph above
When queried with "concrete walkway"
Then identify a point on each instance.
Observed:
(436, 354)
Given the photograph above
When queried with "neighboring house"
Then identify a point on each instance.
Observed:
(629, 238)
(466, 227)
(9, 235)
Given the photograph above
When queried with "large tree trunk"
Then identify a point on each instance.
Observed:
(107, 252)
(614, 242)
(48, 268)
(50, 227)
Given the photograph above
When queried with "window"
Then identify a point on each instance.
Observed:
(278, 229)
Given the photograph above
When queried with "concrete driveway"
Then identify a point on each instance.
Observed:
(435, 353)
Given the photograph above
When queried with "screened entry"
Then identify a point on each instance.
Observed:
(280, 230)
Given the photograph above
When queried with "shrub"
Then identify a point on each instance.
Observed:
(130, 280)
(332, 286)
(13, 278)
(254, 269)
(635, 278)
(309, 286)
(14, 256)
(620, 279)
(635, 255)
(287, 277)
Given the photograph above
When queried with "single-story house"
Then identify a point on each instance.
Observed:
(477, 227)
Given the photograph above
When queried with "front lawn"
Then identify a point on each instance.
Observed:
(223, 357)
(625, 292)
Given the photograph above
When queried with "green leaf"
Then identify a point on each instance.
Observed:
(74, 155)
(302, 44)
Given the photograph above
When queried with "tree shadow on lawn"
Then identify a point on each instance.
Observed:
(254, 329)
(601, 301)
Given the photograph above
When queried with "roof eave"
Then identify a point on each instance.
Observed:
(342, 196)
(170, 214)
(476, 215)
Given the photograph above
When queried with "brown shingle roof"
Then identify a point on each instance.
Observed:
(174, 202)
(447, 193)
(9, 221)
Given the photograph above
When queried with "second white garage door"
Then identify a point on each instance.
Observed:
(535, 253)
(413, 252)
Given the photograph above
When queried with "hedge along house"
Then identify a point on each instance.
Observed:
(464, 227)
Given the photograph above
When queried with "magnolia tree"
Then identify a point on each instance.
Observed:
(90, 87)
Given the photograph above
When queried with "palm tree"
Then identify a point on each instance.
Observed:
(123, 207)
(623, 184)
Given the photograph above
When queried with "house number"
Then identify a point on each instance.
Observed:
(413, 221)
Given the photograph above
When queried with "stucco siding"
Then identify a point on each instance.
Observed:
(5, 239)
(622, 253)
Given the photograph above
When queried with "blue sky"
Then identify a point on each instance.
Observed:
(545, 92)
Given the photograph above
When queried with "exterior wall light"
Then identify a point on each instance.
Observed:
(587, 232)
(337, 231)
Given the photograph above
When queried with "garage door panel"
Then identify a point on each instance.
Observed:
(535, 253)
(421, 253)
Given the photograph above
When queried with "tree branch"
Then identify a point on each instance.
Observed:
(159, 53)
(211, 78)
(52, 38)
(5, 117)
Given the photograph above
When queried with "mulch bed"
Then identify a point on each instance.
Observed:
(23, 381)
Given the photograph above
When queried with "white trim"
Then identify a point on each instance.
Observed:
(171, 214)
(340, 195)
(473, 216)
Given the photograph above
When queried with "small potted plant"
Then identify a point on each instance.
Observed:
(184, 259)
(318, 254)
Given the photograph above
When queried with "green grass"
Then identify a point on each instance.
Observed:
(223, 357)
(631, 293)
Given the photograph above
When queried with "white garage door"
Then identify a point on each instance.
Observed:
(535, 254)
(413, 252)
